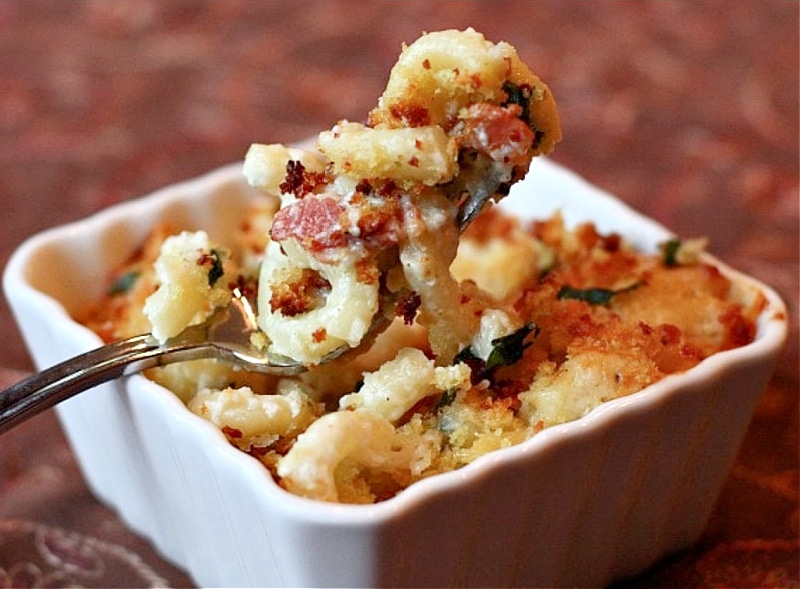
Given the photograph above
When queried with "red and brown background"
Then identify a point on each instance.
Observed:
(686, 110)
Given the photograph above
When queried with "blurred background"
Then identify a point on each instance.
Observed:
(686, 110)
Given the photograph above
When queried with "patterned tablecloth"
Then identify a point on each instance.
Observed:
(686, 110)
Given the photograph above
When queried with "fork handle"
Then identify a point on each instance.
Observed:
(45, 389)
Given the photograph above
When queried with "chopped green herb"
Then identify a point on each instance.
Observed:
(467, 356)
(446, 399)
(538, 135)
(670, 249)
(216, 271)
(520, 95)
(508, 350)
(593, 296)
(124, 283)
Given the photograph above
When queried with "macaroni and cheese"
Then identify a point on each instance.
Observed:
(494, 333)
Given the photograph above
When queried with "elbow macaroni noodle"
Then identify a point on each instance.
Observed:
(188, 293)
(344, 318)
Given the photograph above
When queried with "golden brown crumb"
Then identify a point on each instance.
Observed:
(305, 291)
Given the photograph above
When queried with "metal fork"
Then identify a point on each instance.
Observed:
(224, 336)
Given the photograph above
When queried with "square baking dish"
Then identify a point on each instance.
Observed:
(579, 504)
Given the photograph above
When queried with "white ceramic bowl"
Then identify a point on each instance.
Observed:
(579, 504)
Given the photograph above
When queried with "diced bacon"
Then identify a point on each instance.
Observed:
(322, 223)
(499, 132)
(315, 221)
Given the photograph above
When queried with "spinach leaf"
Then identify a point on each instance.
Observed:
(124, 283)
(670, 249)
(506, 351)
(593, 296)
(216, 271)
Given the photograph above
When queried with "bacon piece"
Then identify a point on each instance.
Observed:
(321, 223)
(315, 221)
(499, 132)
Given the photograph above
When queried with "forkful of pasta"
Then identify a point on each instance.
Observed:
(367, 227)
